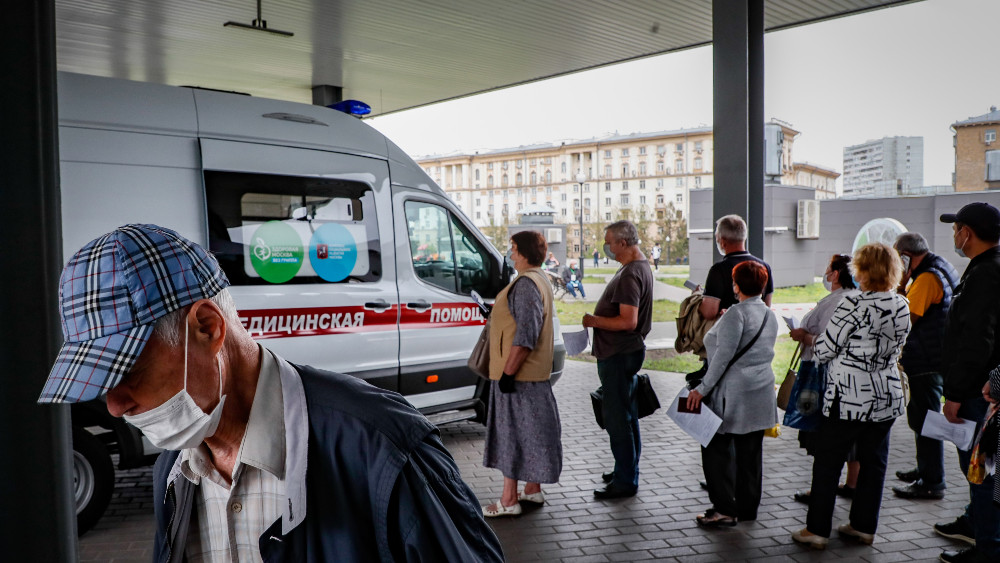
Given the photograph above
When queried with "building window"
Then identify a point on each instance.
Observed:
(563, 212)
(697, 181)
(680, 198)
(993, 166)
(489, 181)
(548, 190)
(520, 179)
(642, 200)
(534, 178)
(661, 149)
(607, 154)
(532, 162)
(607, 216)
(548, 160)
(548, 176)
(659, 199)
(479, 215)
(607, 170)
(477, 174)
(477, 202)
(607, 201)
(624, 170)
(660, 167)
(489, 166)
(659, 183)
(504, 165)
(586, 202)
(564, 168)
(576, 203)
(680, 182)
(624, 199)
(586, 187)
(607, 186)
(697, 163)
(990, 136)
(642, 150)
(642, 184)
(563, 197)
(679, 147)
(624, 186)
(697, 146)
(624, 152)
(576, 188)
(642, 168)
(503, 180)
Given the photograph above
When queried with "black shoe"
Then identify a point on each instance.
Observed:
(918, 491)
(802, 497)
(960, 529)
(908, 476)
(965, 556)
(608, 477)
(613, 491)
(844, 491)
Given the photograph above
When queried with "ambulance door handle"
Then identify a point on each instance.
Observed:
(380, 304)
(419, 305)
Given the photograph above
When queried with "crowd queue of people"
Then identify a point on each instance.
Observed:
(399, 493)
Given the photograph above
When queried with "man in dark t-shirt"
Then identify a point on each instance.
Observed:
(621, 320)
(731, 239)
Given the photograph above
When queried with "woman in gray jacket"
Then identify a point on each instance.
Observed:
(740, 389)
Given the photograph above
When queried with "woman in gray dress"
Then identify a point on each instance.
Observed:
(523, 433)
(742, 394)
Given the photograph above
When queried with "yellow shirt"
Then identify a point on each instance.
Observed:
(924, 291)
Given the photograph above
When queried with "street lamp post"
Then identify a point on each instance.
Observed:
(580, 179)
(668, 250)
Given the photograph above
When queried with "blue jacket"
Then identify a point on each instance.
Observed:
(923, 349)
(380, 485)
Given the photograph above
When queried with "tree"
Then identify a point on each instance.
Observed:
(498, 233)
(675, 228)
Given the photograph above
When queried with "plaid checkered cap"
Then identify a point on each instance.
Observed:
(110, 295)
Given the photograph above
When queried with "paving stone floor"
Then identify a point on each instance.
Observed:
(656, 525)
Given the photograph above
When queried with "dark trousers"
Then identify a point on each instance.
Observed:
(733, 465)
(833, 442)
(925, 395)
(621, 414)
(982, 513)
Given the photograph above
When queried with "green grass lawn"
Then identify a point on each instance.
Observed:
(796, 294)
(571, 312)
(594, 279)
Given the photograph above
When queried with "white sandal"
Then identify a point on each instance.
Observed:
(534, 498)
(498, 509)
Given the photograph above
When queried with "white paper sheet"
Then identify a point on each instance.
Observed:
(937, 426)
(702, 427)
(576, 342)
(792, 322)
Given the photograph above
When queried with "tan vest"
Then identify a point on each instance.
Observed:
(538, 365)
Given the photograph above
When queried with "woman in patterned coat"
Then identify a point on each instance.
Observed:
(864, 394)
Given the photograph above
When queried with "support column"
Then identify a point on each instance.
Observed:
(738, 105)
(38, 519)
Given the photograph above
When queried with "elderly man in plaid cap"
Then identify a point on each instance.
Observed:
(264, 459)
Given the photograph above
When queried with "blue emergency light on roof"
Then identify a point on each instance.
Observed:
(352, 107)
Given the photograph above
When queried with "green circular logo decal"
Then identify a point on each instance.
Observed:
(276, 252)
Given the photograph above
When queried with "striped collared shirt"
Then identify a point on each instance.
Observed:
(227, 521)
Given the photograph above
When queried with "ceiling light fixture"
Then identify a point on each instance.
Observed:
(258, 24)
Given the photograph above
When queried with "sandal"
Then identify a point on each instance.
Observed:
(534, 498)
(714, 519)
(498, 509)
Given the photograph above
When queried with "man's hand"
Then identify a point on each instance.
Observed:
(798, 334)
(951, 411)
(588, 320)
(693, 400)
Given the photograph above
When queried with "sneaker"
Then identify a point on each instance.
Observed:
(806, 537)
(965, 556)
(848, 530)
(960, 529)
(908, 476)
(918, 491)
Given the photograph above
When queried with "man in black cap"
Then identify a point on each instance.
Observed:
(970, 352)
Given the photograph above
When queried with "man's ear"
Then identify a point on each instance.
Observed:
(208, 324)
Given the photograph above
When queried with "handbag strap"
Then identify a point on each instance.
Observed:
(796, 356)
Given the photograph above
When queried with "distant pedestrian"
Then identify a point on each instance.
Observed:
(597, 256)
(932, 283)
(655, 254)
(621, 320)
(571, 276)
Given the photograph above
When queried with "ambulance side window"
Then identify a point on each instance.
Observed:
(443, 251)
(268, 229)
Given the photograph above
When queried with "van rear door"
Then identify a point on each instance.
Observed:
(440, 260)
(306, 239)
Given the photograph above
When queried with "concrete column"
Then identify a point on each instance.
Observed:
(38, 518)
(738, 31)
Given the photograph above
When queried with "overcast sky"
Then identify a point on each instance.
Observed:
(909, 70)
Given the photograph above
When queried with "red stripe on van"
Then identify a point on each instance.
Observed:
(317, 321)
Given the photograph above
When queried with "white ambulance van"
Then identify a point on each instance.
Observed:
(342, 253)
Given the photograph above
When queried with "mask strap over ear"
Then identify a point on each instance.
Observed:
(185, 353)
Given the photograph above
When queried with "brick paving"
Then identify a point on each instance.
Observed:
(656, 525)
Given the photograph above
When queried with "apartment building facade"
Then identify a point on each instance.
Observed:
(977, 154)
(819, 178)
(641, 176)
(887, 167)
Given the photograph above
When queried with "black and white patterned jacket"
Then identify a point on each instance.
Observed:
(861, 344)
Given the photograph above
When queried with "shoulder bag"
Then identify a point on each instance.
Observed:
(479, 361)
(645, 397)
(785, 390)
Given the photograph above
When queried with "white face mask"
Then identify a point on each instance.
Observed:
(828, 284)
(179, 423)
(959, 248)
